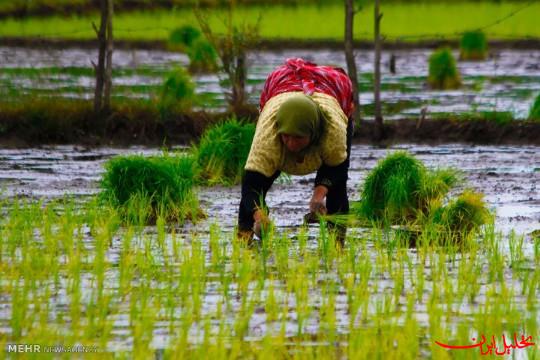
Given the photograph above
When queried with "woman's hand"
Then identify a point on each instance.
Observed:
(317, 205)
(262, 222)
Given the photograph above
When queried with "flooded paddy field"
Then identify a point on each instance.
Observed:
(71, 275)
(509, 177)
(507, 82)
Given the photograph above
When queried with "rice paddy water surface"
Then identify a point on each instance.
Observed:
(507, 82)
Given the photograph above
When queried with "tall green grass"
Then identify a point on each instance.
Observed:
(145, 188)
(443, 73)
(223, 150)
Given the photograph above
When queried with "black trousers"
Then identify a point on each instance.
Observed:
(255, 186)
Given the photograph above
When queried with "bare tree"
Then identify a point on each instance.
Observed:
(349, 55)
(103, 69)
(377, 76)
(232, 47)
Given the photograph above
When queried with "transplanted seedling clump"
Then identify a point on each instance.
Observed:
(473, 46)
(443, 73)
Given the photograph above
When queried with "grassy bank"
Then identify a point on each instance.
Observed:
(411, 22)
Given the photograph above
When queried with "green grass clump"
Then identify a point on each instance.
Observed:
(223, 150)
(143, 188)
(534, 113)
(443, 73)
(463, 215)
(473, 46)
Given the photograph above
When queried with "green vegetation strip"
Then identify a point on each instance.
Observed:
(401, 21)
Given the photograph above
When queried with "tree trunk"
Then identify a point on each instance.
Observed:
(377, 76)
(108, 63)
(239, 82)
(100, 67)
(349, 56)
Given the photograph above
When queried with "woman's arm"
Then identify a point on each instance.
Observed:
(254, 188)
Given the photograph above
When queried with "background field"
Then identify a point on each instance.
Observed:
(401, 21)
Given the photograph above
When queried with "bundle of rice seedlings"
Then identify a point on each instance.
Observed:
(177, 94)
(143, 188)
(202, 56)
(435, 186)
(463, 216)
(443, 73)
(222, 152)
(473, 46)
(391, 189)
(534, 113)
(400, 190)
(184, 36)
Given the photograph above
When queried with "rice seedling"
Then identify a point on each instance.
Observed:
(145, 188)
(534, 112)
(473, 46)
(222, 152)
(443, 73)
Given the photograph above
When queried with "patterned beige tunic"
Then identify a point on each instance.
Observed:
(268, 154)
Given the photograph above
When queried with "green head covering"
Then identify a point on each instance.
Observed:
(300, 116)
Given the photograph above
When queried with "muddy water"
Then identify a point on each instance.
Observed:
(509, 176)
(508, 81)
